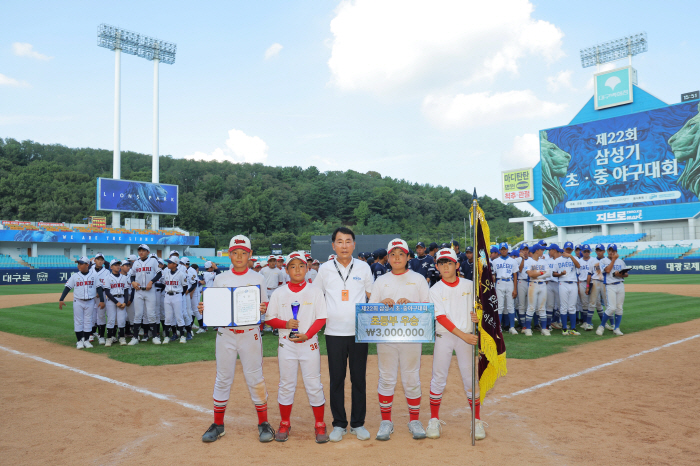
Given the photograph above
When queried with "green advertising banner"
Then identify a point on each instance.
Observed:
(517, 185)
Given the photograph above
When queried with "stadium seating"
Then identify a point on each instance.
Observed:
(48, 261)
(223, 260)
(693, 255)
(624, 252)
(662, 252)
(7, 262)
(615, 239)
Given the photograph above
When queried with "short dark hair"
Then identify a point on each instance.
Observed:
(343, 230)
(195, 266)
(443, 261)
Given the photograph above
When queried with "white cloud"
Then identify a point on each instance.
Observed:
(8, 81)
(524, 153)
(240, 148)
(381, 44)
(22, 49)
(273, 51)
(560, 81)
(484, 108)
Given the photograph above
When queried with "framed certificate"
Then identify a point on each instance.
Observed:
(231, 307)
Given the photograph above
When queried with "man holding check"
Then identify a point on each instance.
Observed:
(345, 282)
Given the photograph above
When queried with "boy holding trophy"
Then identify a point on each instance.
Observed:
(298, 311)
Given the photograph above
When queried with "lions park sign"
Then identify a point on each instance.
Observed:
(647, 163)
(136, 196)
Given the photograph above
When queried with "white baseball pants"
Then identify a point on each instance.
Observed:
(596, 298)
(523, 287)
(568, 294)
(504, 291)
(248, 346)
(291, 356)
(99, 316)
(82, 314)
(390, 357)
(552, 296)
(194, 303)
(583, 297)
(445, 344)
(172, 305)
(145, 306)
(537, 300)
(616, 298)
(114, 314)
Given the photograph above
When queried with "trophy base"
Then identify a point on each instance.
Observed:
(293, 335)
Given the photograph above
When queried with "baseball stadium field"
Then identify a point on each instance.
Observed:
(560, 397)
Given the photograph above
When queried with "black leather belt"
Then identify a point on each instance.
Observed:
(170, 293)
(81, 299)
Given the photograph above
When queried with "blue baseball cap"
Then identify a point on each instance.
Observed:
(553, 246)
(578, 246)
(524, 246)
(536, 247)
(503, 245)
(568, 245)
(468, 249)
(515, 252)
(586, 247)
(379, 253)
(494, 249)
(361, 255)
(613, 246)
(600, 246)
(542, 243)
(420, 244)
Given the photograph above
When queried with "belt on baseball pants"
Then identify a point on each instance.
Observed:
(503, 279)
(117, 295)
(170, 293)
(567, 282)
(81, 299)
(539, 283)
(618, 283)
(237, 332)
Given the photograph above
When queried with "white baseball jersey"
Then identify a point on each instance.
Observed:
(504, 267)
(521, 275)
(192, 277)
(84, 286)
(539, 266)
(143, 271)
(566, 264)
(609, 279)
(410, 285)
(209, 278)
(455, 302)
(596, 270)
(272, 278)
(116, 284)
(585, 268)
(103, 273)
(551, 267)
(312, 307)
(311, 275)
(175, 282)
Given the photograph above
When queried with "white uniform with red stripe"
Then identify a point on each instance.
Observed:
(292, 356)
(412, 286)
(455, 301)
(272, 279)
(241, 341)
(311, 275)
(175, 283)
(84, 288)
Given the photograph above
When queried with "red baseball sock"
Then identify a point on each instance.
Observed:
(413, 408)
(285, 412)
(476, 407)
(262, 413)
(219, 411)
(318, 413)
(385, 403)
(435, 401)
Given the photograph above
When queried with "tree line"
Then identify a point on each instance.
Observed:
(287, 205)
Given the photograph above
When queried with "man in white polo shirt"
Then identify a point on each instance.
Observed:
(345, 282)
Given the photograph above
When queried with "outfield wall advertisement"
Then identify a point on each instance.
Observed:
(40, 236)
(642, 166)
(136, 196)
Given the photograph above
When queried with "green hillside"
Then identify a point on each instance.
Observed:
(51, 182)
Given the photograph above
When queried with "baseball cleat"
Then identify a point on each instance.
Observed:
(479, 432)
(79, 345)
(565, 332)
(546, 333)
(122, 341)
(189, 336)
(266, 432)
(360, 432)
(87, 344)
(144, 338)
(416, 428)
(320, 430)
(337, 434)
(195, 327)
(134, 341)
(556, 325)
(618, 332)
(166, 340)
(512, 331)
(522, 330)
(201, 330)
(386, 428)
(101, 341)
(108, 342)
(156, 340)
(213, 433)
(609, 327)
(183, 339)
(574, 332)
(527, 332)
(600, 330)
(282, 433)
(435, 428)
(91, 338)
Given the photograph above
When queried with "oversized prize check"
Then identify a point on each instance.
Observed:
(232, 306)
(402, 323)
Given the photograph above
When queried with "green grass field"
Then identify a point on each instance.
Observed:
(6, 290)
(680, 279)
(643, 311)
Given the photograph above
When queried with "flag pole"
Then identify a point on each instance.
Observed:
(475, 274)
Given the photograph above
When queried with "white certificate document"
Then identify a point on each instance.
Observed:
(246, 306)
(218, 307)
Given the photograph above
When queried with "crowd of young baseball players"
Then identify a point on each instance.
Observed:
(146, 297)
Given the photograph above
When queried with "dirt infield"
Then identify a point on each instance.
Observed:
(682, 290)
(643, 410)
(29, 299)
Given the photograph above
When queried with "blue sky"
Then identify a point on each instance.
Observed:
(443, 92)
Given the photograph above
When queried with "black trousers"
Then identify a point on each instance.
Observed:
(340, 349)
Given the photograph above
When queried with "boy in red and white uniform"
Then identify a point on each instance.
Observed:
(454, 311)
(298, 346)
(273, 278)
(401, 286)
(244, 342)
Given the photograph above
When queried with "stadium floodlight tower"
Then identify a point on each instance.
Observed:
(118, 39)
(614, 50)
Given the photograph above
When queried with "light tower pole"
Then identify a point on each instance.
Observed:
(119, 40)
